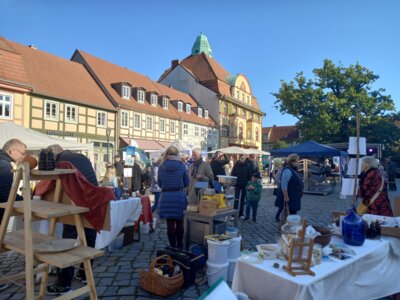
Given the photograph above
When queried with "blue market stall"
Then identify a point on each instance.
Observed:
(315, 182)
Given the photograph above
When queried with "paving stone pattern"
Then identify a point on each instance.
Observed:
(117, 273)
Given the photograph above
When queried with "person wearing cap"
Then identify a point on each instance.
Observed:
(291, 187)
(254, 190)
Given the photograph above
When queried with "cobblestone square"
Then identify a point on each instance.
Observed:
(117, 273)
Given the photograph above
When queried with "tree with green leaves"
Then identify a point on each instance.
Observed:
(327, 105)
(279, 145)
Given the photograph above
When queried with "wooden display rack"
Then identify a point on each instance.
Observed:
(22, 241)
(302, 265)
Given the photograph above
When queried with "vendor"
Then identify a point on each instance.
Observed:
(83, 165)
(291, 184)
(218, 164)
(371, 186)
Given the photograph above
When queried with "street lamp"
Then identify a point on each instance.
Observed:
(108, 133)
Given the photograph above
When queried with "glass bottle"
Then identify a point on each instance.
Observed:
(289, 230)
(353, 228)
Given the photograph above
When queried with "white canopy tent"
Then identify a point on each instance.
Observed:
(34, 140)
(239, 150)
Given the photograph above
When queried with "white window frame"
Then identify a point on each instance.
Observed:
(203, 132)
(196, 131)
(3, 104)
(140, 95)
(200, 112)
(126, 92)
(105, 119)
(180, 106)
(57, 104)
(73, 121)
(206, 114)
(153, 99)
(188, 108)
(134, 121)
(149, 118)
(185, 129)
(172, 128)
(165, 103)
(124, 112)
(162, 128)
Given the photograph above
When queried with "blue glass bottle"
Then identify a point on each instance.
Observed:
(353, 228)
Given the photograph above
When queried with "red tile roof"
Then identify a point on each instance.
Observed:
(210, 73)
(109, 73)
(11, 63)
(51, 75)
(277, 133)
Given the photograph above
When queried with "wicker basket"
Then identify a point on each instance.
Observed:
(158, 284)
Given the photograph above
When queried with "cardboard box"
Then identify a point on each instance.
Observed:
(396, 212)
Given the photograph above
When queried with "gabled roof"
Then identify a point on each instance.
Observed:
(109, 73)
(207, 70)
(277, 133)
(53, 76)
(11, 63)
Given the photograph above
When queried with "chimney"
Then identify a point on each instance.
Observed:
(174, 63)
(32, 46)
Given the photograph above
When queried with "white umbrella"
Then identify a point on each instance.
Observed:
(258, 152)
(231, 150)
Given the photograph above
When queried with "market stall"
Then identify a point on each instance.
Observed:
(370, 274)
(314, 182)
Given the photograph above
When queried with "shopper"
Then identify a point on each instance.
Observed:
(253, 164)
(218, 163)
(199, 171)
(110, 178)
(254, 190)
(173, 179)
(241, 170)
(291, 185)
(154, 188)
(372, 187)
(391, 171)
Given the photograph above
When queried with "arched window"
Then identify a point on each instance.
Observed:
(249, 134)
(225, 108)
(225, 131)
(257, 134)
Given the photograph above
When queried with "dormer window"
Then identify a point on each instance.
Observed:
(206, 114)
(180, 106)
(140, 96)
(126, 92)
(200, 112)
(165, 103)
(188, 108)
(153, 100)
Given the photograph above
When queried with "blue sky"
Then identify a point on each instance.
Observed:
(265, 40)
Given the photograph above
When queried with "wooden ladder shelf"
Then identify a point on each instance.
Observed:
(22, 241)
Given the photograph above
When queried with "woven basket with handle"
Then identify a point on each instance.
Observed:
(158, 284)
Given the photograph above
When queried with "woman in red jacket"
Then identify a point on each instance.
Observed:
(371, 184)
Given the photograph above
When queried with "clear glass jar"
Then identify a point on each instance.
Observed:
(289, 231)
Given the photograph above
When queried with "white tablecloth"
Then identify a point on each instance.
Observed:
(122, 212)
(373, 273)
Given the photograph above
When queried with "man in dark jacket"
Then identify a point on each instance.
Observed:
(217, 164)
(83, 164)
(253, 165)
(242, 171)
(119, 167)
(12, 151)
(136, 177)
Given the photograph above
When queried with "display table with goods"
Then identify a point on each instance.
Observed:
(121, 213)
(338, 270)
(212, 211)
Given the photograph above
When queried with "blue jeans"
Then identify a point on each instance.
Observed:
(156, 198)
(251, 205)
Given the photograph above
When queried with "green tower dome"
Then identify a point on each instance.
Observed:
(201, 45)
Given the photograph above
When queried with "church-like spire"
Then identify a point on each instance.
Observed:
(201, 45)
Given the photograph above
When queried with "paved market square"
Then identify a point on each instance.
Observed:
(117, 273)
